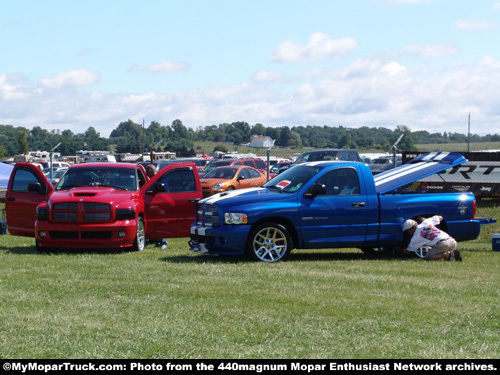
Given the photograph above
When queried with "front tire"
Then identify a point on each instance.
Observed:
(41, 249)
(140, 236)
(269, 242)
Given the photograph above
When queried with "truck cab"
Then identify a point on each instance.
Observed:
(101, 205)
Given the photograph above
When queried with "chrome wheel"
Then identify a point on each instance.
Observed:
(140, 237)
(270, 242)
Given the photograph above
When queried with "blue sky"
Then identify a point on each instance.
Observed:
(425, 64)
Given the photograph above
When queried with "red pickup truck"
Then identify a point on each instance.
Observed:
(102, 205)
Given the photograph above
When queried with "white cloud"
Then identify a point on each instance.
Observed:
(162, 67)
(319, 47)
(368, 92)
(13, 87)
(475, 25)
(77, 77)
(263, 76)
(428, 51)
(168, 66)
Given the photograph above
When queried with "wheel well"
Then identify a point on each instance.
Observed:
(286, 223)
(442, 225)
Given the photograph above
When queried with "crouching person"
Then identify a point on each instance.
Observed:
(426, 234)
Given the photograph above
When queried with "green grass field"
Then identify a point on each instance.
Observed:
(176, 304)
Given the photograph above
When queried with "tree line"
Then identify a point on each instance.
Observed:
(136, 138)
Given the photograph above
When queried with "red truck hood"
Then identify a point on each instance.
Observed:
(415, 169)
(91, 194)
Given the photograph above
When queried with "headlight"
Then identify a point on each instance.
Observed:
(235, 218)
(216, 186)
(42, 214)
(125, 214)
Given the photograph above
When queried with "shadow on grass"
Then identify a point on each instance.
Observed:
(25, 250)
(295, 256)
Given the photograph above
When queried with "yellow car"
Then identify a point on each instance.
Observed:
(231, 177)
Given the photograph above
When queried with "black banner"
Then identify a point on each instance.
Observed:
(16, 366)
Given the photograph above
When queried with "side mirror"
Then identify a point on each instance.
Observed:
(241, 178)
(314, 191)
(36, 187)
(159, 187)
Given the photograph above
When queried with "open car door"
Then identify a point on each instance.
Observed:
(170, 199)
(27, 188)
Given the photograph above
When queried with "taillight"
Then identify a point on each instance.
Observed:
(473, 209)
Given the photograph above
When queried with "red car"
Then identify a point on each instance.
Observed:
(102, 205)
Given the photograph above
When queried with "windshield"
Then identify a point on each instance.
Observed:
(58, 174)
(293, 179)
(222, 173)
(118, 178)
(210, 166)
(317, 156)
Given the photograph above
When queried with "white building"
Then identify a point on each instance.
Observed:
(261, 141)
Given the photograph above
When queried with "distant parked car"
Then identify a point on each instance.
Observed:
(251, 162)
(278, 168)
(333, 154)
(56, 176)
(383, 163)
(233, 177)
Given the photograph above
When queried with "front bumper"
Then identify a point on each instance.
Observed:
(96, 235)
(228, 239)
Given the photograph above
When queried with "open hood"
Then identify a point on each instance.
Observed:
(415, 169)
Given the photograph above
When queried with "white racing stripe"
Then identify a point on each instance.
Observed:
(403, 171)
(229, 194)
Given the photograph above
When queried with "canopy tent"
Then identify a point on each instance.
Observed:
(5, 171)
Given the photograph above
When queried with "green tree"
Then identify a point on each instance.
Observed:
(22, 142)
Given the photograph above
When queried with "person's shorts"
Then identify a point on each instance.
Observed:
(441, 247)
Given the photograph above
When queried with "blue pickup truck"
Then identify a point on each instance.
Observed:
(330, 204)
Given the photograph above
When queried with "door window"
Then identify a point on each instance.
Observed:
(22, 179)
(341, 181)
(179, 181)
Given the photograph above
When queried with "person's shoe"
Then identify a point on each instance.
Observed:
(458, 257)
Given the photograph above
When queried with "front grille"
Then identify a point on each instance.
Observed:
(81, 212)
(96, 235)
(96, 216)
(66, 206)
(65, 216)
(96, 206)
(73, 235)
(63, 235)
(207, 215)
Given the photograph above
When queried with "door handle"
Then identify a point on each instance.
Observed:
(11, 199)
(359, 204)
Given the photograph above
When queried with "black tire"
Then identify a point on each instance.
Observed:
(269, 242)
(140, 236)
(377, 250)
(41, 249)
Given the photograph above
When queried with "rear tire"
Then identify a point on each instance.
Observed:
(377, 250)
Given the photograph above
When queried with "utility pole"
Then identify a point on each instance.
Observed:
(142, 140)
(50, 160)
(468, 136)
